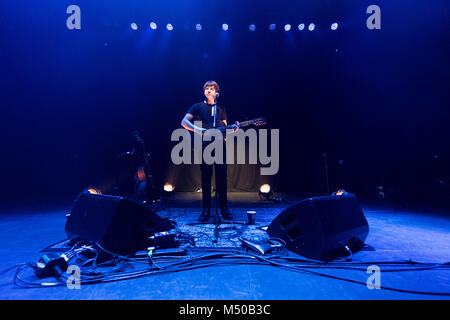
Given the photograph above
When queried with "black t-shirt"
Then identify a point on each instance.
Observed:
(203, 112)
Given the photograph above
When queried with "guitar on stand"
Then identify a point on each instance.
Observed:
(144, 186)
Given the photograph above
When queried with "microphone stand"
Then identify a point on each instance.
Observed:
(326, 173)
(217, 219)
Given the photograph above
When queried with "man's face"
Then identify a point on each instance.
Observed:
(210, 92)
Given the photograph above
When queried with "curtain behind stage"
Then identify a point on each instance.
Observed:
(240, 177)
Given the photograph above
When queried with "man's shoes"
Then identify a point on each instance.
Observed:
(204, 216)
(226, 214)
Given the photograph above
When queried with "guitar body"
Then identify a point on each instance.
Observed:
(144, 188)
(141, 175)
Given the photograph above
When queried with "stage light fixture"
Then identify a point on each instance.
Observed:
(265, 192)
(265, 188)
(272, 26)
(334, 26)
(93, 190)
(252, 27)
(287, 27)
(225, 27)
(301, 26)
(134, 26)
(198, 27)
(168, 191)
(168, 187)
(340, 192)
(381, 195)
(153, 25)
(169, 27)
(311, 27)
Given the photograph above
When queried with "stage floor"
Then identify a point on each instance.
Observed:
(397, 233)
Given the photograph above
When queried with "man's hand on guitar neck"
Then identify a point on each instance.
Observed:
(234, 127)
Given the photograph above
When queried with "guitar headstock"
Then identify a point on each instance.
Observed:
(259, 121)
(137, 136)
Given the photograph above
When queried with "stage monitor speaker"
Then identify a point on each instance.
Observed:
(322, 227)
(118, 224)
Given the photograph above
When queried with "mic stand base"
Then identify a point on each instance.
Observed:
(217, 220)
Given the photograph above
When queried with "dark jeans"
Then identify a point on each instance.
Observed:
(221, 184)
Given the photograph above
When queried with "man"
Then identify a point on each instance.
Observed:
(204, 112)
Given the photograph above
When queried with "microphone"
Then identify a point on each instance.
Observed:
(214, 110)
(125, 153)
(215, 97)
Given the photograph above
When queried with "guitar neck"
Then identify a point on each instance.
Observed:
(246, 123)
(241, 124)
(144, 150)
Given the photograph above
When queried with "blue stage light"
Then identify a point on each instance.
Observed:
(198, 26)
(334, 26)
(225, 27)
(301, 26)
(287, 27)
(134, 26)
(169, 27)
(272, 27)
(153, 25)
(311, 27)
(252, 27)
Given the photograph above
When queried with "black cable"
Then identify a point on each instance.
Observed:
(125, 266)
(340, 278)
(10, 268)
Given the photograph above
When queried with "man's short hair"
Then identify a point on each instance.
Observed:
(211, 84)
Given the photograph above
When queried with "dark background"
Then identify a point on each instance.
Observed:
(376, 99)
